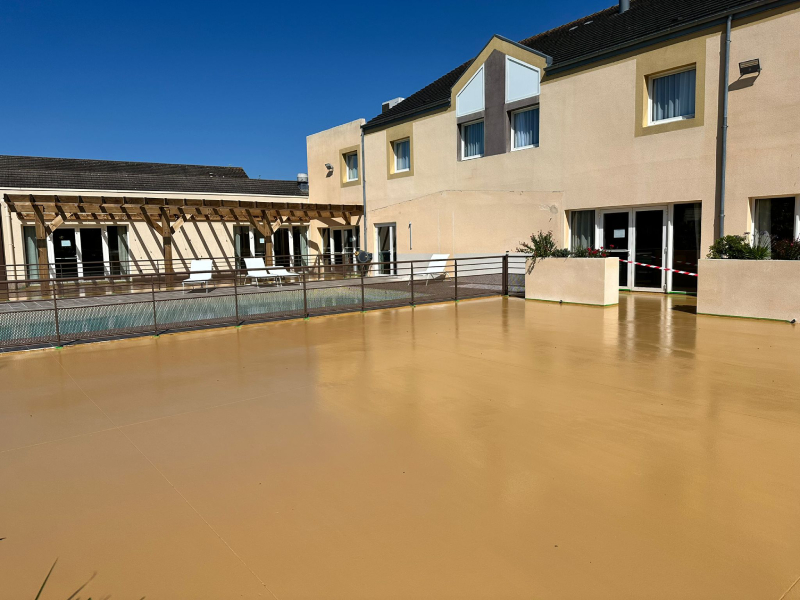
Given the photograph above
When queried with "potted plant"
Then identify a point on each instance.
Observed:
(581, 276)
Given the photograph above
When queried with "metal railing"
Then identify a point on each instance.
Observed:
(149, 305)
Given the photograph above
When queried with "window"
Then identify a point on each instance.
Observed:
(31, 252)
(351, 162)
(402, 155)
(471, 97)
(581, 229)
(525, 129)
(472, 140)
(775, 219)
(672, 97)
(522, 80)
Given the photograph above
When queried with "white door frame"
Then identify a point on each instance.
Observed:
(392, 243)
(79, 249)
(665, 248)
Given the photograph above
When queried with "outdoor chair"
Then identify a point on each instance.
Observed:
(199, 273)
(279, 273)
(256, 269)
(436, 269)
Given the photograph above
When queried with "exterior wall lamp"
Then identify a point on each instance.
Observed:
(749, 67)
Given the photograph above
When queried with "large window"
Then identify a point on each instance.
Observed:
(351, 163)
(525, 129)
(581, 229)
(402, 155)
(31, 252)
(472, 140)
(672, 96)
(774, 219)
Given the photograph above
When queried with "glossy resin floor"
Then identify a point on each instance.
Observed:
(491, 449)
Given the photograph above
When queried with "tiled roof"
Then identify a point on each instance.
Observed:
(599, 33)
(79, 174)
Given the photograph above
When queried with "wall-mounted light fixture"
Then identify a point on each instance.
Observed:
(749, 67)
(329, 166)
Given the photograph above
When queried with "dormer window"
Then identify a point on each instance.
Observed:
(471, 98)
(522, 80)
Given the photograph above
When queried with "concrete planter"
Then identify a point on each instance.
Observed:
(574, 280)
(760, 289)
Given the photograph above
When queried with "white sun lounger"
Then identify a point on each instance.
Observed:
(436, 269)
(199, 273)
(256, 269)
(280, 273)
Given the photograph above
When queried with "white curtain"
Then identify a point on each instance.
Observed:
(352, 167)
(473, 139)
(582, 229)
(403, 155)
(673, 96)
(526, 128)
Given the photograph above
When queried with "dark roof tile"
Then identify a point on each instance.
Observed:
(600, 32)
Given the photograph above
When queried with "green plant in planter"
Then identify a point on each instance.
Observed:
(581, 252)
(736, 247)
(541, 246)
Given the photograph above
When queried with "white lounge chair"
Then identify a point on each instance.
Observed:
(280, 273)
(199, 273)
(256, 269)
(437, 269)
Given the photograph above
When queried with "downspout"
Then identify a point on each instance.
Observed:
(364, 190)
(724, 160)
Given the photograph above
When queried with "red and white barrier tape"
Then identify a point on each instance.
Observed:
(632, 262)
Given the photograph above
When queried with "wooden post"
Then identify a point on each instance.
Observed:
(166, 232)
(41, 249)
(3, 270)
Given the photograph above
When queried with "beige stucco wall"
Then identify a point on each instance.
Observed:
(594, 151)
(327, 147)
(574, 280)
(762, 289)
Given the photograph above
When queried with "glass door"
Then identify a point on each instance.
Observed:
(65, 254)
(387, 248)
(92, 252)
(649, 249)
(616, 240)
(685, 245)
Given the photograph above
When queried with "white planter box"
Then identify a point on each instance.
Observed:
(760, 289)
(574, 280)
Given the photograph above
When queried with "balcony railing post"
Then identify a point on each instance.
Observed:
(305, 297)
(153, 298)
(363, 305)
(236, 296)
(412, 283)
(455, 277)
(55, 316)
(505, 274)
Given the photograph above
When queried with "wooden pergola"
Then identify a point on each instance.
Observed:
(165, 216)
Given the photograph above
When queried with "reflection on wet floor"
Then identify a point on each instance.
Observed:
(493, 448)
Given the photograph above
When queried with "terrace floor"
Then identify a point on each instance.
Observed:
(493, 448)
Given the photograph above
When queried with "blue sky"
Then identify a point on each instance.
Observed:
(239, 83)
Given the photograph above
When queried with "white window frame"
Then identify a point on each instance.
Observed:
(652, 79)
(462, 128)
(515, 112)
(754, 214)
(483, 94)
(394, 151)
(79, 247)
(347, 167)
(527, 66)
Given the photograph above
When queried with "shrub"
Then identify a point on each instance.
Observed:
(540, 247)
(589, 253)
(561, 253)
(738, 248)
(786, 249)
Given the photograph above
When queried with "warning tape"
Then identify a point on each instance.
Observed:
(633, 262)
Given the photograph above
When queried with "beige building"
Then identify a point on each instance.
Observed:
(93, 218)
(609, 131)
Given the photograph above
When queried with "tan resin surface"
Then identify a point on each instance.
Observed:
(491, 449)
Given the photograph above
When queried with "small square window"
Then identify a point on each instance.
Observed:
(525, 129)
(672, 96)
(402, 155)
(472, 140)
(351, 162)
